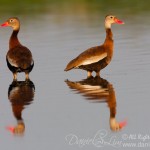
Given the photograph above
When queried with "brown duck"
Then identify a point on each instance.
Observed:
(99, 90)
(20, 94)
(97, 58)
(19, 58)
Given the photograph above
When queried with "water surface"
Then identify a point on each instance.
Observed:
(56, 32)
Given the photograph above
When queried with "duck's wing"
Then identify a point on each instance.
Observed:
(89, 56)
(19, 56)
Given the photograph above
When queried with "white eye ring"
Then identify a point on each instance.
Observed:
(11, 20)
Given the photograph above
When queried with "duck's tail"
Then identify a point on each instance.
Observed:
(71, 65)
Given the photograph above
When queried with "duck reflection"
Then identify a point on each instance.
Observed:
(20, 94)
(97, 89)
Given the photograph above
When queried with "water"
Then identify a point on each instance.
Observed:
(56, 32)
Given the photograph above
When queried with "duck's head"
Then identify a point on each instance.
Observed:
(12, 22)
(110, 19)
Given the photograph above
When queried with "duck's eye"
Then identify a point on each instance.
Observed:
(111, 17)
(11, 20)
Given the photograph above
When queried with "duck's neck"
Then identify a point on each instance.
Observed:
(109, 36)
(108, 44)
(14, 39)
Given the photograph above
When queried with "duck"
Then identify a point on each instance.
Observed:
(98, 57)
(20, 94)
(19, 58)
(99, 90)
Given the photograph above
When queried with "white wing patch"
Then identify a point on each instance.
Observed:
(32, 62)
(13, 92)
(93, 59)
(12, 62)
(90, 89)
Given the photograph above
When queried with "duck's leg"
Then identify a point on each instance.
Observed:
(98, 74)
(89, 74)
(15, 76)
(27, 76)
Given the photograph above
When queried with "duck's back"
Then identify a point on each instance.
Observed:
(89, 56)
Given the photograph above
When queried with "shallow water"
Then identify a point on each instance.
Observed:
(56, 33)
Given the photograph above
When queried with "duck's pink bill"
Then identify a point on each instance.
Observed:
(118, 21)
(123, 123)
(4, 24)
(10, 129)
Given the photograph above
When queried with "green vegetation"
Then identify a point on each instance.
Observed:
(40, 7)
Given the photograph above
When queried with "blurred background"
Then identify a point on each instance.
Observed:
(56, 31)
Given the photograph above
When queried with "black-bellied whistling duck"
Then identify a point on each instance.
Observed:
(20, 94)
(97, 89)
(97, 58)
(19, 58)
